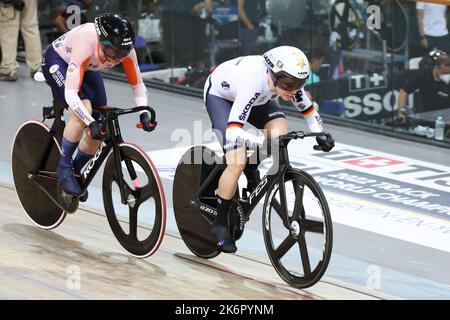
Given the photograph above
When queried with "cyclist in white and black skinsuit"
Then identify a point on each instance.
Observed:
(243, 90)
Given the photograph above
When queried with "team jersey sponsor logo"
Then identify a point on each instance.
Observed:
(53, 68)
(277, 113)
(59, 78)
(298, 97)
(57, 75)
(72, 70)
(319, 121)
(248, 106)
(80, 110)
(225, 85)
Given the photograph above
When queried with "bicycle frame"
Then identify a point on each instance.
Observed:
(111, 143)
(263, 187)
(114, 138)
(248, 205)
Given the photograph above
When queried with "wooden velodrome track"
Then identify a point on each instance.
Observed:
(81, 259)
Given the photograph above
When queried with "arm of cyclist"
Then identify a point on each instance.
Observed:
(74, 78)
(134, 77)
(313, 119)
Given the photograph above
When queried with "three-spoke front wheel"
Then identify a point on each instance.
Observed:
(139, 224)
(301, 253)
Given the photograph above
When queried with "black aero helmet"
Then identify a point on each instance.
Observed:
(115, 34)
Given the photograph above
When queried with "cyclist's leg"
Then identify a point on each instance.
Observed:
(93, 89)
(271, 118)
(71, 138)
(219, 111)
(54, 69)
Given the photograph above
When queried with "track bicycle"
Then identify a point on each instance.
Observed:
(131, 185)
(297, 226)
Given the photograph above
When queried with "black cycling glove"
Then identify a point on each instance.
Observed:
(147, 125)
(326, 143)
(96, 131)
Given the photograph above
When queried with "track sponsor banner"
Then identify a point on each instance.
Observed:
(367, 97)
(387, 179)
(383, 193)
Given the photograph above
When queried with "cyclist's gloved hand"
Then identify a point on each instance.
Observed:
(96, 131)
(325, 142)
(147, 125)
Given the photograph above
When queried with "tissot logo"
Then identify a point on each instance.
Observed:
(248, 106)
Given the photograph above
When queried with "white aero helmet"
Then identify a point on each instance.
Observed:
(288, 67)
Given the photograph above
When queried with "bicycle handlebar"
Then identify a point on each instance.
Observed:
(119, 112)
(108, 111)
(301, 135)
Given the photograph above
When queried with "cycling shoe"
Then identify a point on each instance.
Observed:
(67, 180)
(84, 196)
(225, 242)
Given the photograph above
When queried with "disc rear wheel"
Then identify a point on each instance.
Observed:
(31, 137)
(195, 229)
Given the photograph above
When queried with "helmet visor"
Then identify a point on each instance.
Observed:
(286, 82)
(116, 54)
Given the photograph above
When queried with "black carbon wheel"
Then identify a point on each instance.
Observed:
(195, 229)
(145, 206)
(26, 149)
(301, 256)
